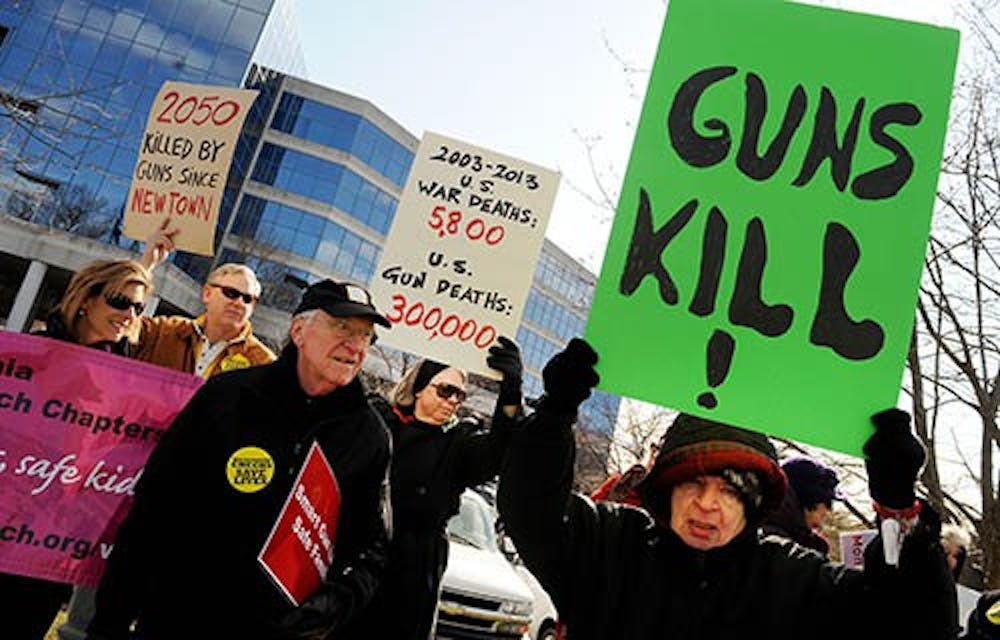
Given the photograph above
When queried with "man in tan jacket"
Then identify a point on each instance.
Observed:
(219, 340)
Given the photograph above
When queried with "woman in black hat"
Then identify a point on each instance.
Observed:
(435, 457)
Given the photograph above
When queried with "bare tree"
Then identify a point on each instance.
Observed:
(956, 354)
(77, 209)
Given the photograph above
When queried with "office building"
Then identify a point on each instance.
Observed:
(77, 79)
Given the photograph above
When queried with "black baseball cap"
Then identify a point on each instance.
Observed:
(340, 300)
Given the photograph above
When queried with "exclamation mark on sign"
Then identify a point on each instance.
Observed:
(720, 356)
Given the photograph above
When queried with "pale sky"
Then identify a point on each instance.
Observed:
(518, 76)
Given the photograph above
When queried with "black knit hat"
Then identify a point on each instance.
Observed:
(428, 369)
(813, 482)
(695, 446)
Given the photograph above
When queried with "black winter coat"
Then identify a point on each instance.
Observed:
(431, 467)
(613, 572)
(789, 522)
(185, 559)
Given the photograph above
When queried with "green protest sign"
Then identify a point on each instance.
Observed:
(764, 260)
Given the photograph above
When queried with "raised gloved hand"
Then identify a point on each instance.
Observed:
(506, 358)
(569, 376)
(318, 616)
(893, 457)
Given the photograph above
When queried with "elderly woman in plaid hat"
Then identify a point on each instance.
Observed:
(690, 563)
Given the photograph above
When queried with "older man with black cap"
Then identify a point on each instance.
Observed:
(192, 560)
(690, 564)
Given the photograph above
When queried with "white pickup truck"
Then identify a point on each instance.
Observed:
(482, 597)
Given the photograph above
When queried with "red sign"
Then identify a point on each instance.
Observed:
(299, 550)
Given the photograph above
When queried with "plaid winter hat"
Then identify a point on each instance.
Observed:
(695, 446)
(749, 486)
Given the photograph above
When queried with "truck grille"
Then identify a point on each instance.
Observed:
(470, 601)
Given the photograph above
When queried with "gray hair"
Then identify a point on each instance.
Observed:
(230, 268)
(305, 317)
(956, 535)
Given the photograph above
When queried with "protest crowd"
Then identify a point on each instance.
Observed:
(697, 526)
(259, 492)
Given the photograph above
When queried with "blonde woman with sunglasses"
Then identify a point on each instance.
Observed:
(219, 340)
(102, 306)
(435, 457)
(100, 309)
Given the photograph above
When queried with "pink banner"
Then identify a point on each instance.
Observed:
(299, 550)
(76, 427)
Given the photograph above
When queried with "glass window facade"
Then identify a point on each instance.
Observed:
(543, 311)
(280, 283)
(349, 132)
(279, 47)
(88, 71)
(327, 182)
(289, 229)
(535, 349)
(555, 276)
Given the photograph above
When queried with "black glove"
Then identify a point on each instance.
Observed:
(893, 457)
(569, 377)
(318, 616)
(506, 358)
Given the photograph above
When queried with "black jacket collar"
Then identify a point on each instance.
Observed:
(282, 377)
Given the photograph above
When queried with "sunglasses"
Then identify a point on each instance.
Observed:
(234, 294)
(121, 302)
(446, 391)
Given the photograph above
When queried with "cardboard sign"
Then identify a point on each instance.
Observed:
(184, 162)
(852, 547)
(458, 262)
(299, 550)
(764, 260)
(77, 427)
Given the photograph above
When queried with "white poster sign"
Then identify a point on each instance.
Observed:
(457, 265)
(184, 161)
(852, 547)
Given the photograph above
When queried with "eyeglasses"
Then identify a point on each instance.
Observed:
(446, 391)
(344, 331)
(233, 294)
(121, 302)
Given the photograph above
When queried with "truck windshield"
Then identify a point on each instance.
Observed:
(473, 525)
